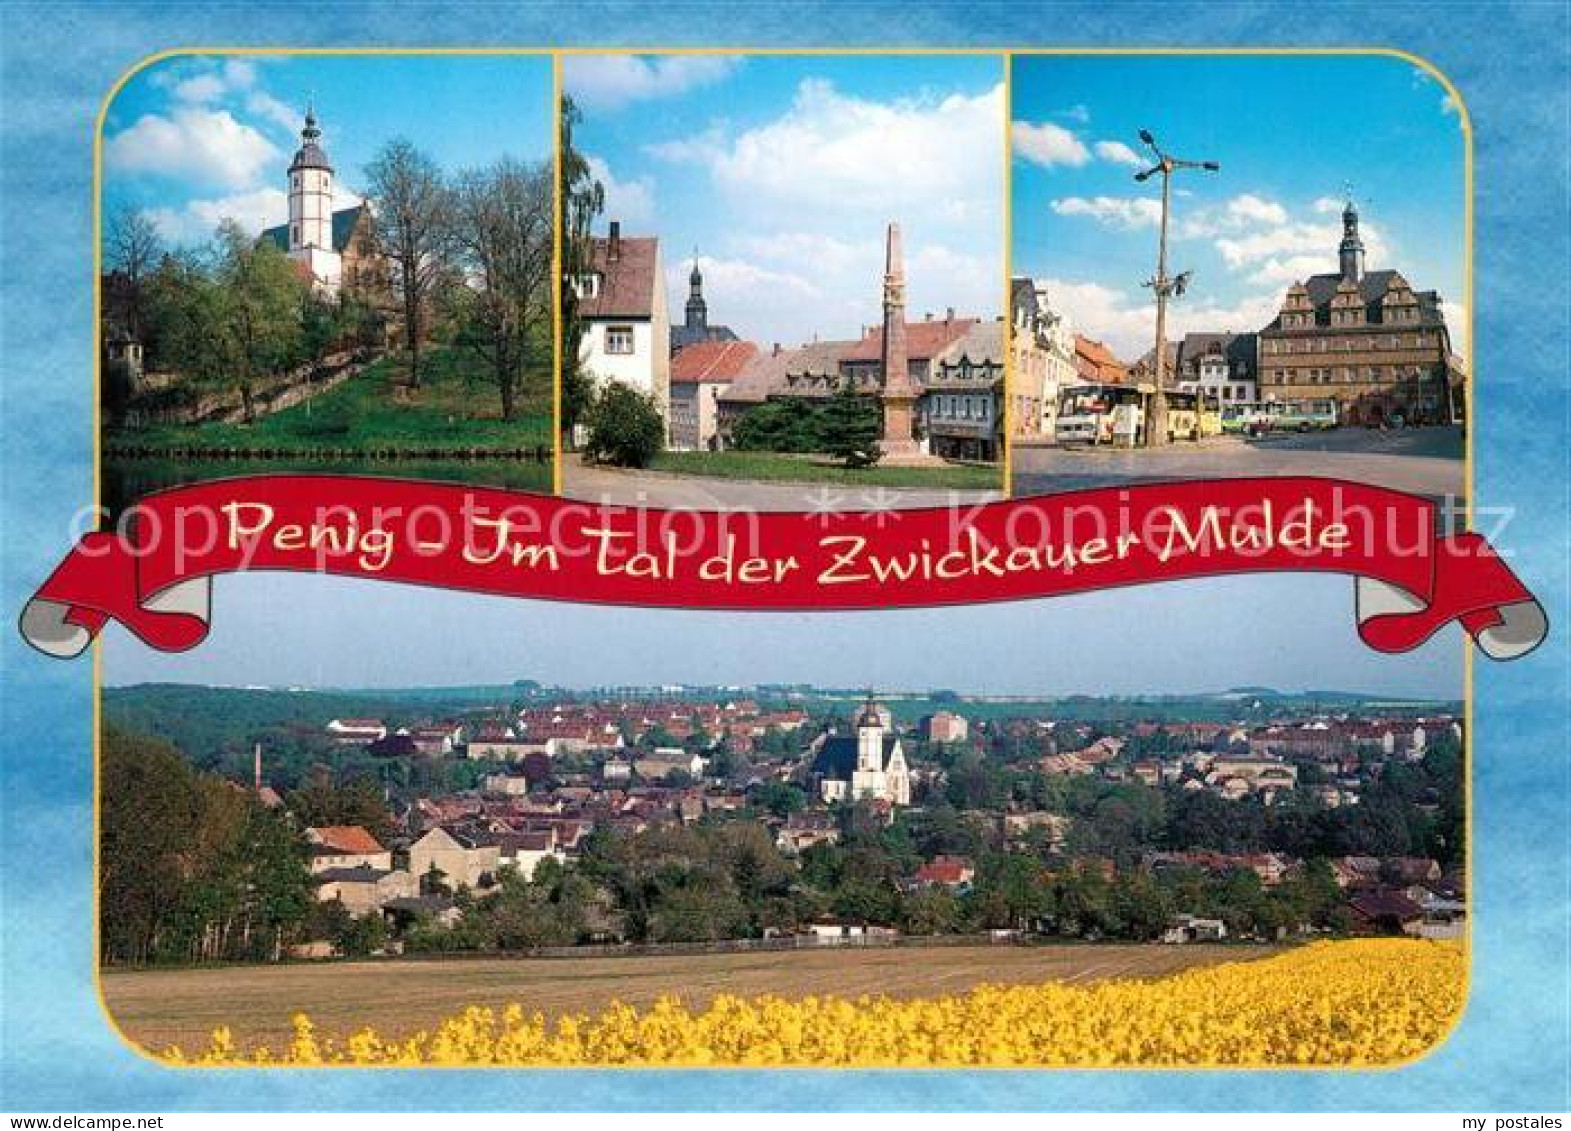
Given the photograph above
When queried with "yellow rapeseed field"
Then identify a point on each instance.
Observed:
(1363, 1002)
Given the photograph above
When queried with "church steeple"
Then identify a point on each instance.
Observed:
(697, 308)
(1350, 253)
(310, 192)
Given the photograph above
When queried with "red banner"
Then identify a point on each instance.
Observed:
(154, 573)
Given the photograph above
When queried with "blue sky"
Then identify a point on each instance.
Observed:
(194, 139)
(1287, 632)
(1290, 132)
(783, 171)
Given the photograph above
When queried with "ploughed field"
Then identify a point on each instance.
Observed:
(158, 1009)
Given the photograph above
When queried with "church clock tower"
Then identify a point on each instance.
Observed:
(697, 309)
(311, 208)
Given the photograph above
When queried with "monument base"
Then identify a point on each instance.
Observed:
(906, 453)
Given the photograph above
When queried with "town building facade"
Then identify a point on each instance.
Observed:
(1218, 366)
(1041, 358)
(961, 409)
(700, 373)
(1365, 339)
(622, 305)
(1096, 365)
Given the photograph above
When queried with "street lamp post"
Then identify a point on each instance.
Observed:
(1164, 287)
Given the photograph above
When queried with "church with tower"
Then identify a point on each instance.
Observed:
(868, 764)
(335, 249)
(695, 326)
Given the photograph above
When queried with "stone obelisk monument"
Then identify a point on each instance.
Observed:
(899, 443)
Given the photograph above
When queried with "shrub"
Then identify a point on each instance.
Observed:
(625, 428)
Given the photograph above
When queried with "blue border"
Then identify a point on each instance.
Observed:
(1513, 1050)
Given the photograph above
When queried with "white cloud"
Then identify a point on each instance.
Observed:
(195, 223)
(1298, 238)
(702, 148)
(1047, 145)
(1456, 323)
(202, 145)
(1119, 154)
(800, 203)
(1251, 209)
(606, 82)
(1126, 321)
(1327, 205)
(1126, 213)
(279, 113)
(834, 154)
(1283, 271)
(200, 88)
(240, 72)
(1077, 113)
(631, 201)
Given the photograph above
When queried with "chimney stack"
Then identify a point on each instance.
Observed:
(256, 766)
(776, 351)
(614, 243)
(949, 314)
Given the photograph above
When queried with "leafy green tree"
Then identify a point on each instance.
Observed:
(259, 312)
(321, 801)
(781, 798)
(582, 199)
(625, 428)
(1141, 906)
(934, 911)
(779, 426)
(850, 426)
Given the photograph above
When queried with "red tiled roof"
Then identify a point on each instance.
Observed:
(923, 339)
(627, 284)
(348, 839)
(719, 362)
(1099, 357)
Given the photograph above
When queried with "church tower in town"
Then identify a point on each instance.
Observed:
(311, 209)
(899, 443)
(697, 308)
(1351, 250)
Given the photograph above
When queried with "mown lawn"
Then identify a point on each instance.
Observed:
(780, 466)
(456, 407)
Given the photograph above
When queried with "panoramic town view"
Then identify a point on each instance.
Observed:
(576, 849)
(327, 264)
(1307, 289)
(784, 280)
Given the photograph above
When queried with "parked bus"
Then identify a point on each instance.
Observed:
(1189, 417)
(1246, 418)
(1102, 414)
(1317, 415)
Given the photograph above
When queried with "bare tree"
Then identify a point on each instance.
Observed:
(134, 248)
(502, 228)
(411, 207)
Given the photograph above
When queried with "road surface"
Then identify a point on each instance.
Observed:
(1423, 461)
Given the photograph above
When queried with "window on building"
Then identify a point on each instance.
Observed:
(619, 339)
(294, 233)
